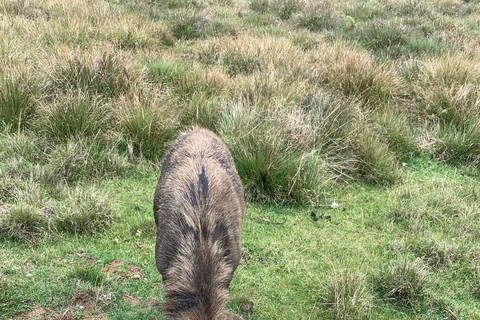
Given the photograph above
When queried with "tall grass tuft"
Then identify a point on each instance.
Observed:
(403, 282)
(148, 125)
(394, 127)
(18, 100)
(268, 158)
(437, 253)
(355, 74)
(319, 16)
(75, 116)
(81, 159)
(288, 9)
(460, 143)
(202, 111)
(378, 164)
(84, 211)
(24, 145)
(97, 74)
(448, 90)
(188, 24)
(346, 295)
(211, 82)
(22, 221)
(90, 274)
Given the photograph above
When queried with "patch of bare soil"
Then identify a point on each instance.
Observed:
(37, 313)
(83, 302)
(114, 269)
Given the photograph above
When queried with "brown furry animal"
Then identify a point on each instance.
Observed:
(198, 208)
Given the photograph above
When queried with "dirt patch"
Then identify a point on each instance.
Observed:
(85, 301)
(37, 313)
(134, 272)
(131, 300)
(89, 260)
(115, 269)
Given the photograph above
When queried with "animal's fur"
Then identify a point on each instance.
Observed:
(198, 208)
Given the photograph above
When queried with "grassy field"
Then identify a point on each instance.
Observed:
(373, 105)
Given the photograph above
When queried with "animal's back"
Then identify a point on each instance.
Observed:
(198, 208)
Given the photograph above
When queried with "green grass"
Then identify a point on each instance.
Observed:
(357, 264)
(372, 105)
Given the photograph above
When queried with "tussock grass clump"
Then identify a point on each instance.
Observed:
(288, 9)
(260, 6)
(23, 8)
(355, 74)
(263, 90)
(237, 57)
(23, 145)
(268, 158)
(346, 295)
(193, 23)
(248, 55)
(378, 164)
(75, 116)
(333, 121)
(448, 89)
(403, 282)
(319, 16)
(7, 187)
(436, 207)
(202, 111)
(148, 124)
(80, 159)
(22, 221)
(96, 74)
(460, 143)
(394, 127)
(211, 82)
(19, 94)
(84, 211)
(134, 33)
